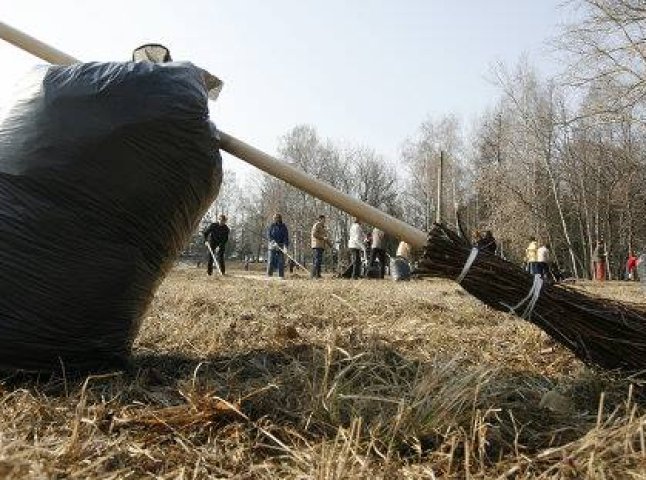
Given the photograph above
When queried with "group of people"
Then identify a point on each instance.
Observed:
(359, 243)
(537, 258)
(368, 249)
(539, 261)
(278, 238)
(600, 265)
(370, 246)
(632, 262)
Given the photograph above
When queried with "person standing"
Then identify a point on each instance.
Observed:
(476, 237)
(631, 267)
(367, 252)
(400, 268)
(487, 243)
(278, 237)
(404, 250)
(355, 245)
(640, 268)
(543, 260)
(531, 253)
(378, 250)
(319, 239)
(599, 261)
(217, 236)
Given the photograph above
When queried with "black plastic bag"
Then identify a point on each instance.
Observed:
(105, 170)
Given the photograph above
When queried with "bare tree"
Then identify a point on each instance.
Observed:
(421, 155)
(607, 48)
(371, 179)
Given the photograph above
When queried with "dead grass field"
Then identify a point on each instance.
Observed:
(241, 377)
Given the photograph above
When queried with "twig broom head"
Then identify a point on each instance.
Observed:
(599, 331)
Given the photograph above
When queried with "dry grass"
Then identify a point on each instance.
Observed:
(246, 378)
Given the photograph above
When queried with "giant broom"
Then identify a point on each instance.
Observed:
(598, 331)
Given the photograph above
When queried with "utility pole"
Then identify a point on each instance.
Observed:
(438, 209)
(428, 191)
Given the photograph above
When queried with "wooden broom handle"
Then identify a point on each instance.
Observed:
(34, 46)
(255, 157)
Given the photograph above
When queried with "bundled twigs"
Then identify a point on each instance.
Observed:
(599, 331)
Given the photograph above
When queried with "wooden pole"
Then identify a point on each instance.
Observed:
(255, 157)
(438, 210)
(35, 47)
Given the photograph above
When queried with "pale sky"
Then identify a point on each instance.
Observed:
(362, 72)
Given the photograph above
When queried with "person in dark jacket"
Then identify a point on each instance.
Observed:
(278, 237)
(378, 250)
(487, 243)
(217, 236)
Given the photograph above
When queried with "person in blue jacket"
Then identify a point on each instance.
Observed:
(278, 237)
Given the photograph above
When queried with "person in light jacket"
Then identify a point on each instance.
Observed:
(378, 251)
(319, 242)
(355, 245)
(531, 253)
(543, 260)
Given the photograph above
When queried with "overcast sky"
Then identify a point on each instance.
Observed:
(363, 72)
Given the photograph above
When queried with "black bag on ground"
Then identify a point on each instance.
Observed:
(105, 170)
(347, 273)
(373, 271)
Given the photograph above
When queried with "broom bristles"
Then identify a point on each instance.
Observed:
(598, 331)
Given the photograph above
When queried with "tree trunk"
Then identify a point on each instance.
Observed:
(559, 207)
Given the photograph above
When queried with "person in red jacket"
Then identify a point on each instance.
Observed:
(599, 257)
(631, 266)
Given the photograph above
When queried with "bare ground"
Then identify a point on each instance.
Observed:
(244, 377)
